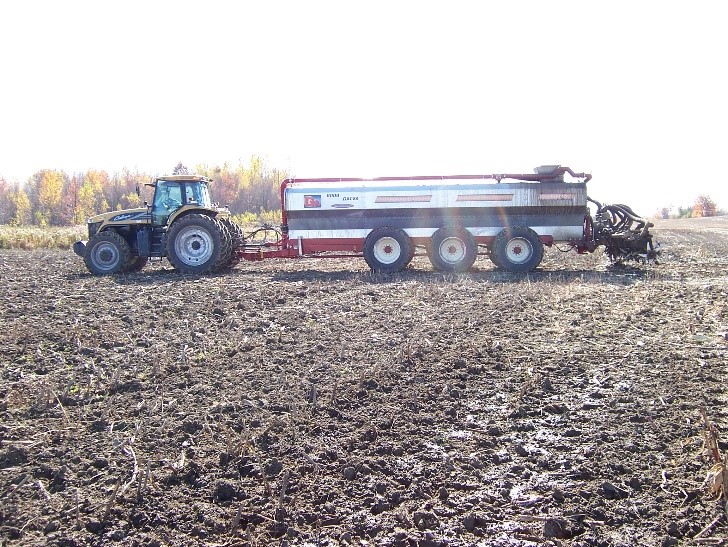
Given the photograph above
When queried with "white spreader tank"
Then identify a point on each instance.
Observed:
(453, 219)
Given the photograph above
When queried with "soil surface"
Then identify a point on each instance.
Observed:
(309, 402)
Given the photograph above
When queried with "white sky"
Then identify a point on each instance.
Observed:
(634, 92)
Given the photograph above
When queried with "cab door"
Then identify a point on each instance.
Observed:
(167, 199)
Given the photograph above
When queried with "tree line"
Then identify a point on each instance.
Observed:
(55, 198)
(52, 197)
(704, 206)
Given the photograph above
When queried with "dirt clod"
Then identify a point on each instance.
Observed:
(556, 528)
(225, 491)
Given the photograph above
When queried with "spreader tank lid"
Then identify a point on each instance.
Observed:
(546, 169)
(550, 173)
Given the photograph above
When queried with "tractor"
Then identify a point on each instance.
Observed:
(181, 224)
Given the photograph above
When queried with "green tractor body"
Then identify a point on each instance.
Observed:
(181, 224)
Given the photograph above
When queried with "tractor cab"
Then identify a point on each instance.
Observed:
(171, 193)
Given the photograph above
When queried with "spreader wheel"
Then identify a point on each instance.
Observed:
(453, 249)
(107, 253)
(388, 250)
(517, 249)
(493, 258)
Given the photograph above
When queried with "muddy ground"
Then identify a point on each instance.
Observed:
(307, 402)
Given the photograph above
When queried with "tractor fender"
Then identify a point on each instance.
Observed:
(80, 248)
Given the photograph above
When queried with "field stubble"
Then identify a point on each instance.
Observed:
(308, 402)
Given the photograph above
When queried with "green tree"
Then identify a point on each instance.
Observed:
(7, 209)
(45, 191)
(91, 199)
(22, 207)
(131, 185)
(684, 212)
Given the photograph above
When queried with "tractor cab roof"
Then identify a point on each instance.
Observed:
(185, 178)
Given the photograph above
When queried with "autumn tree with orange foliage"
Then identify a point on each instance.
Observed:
(704, 207)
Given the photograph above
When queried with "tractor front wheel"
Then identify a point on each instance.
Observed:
(107, 253)
(196, 244)
(137, 263)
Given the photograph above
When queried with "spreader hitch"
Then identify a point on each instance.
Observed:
(624, 234)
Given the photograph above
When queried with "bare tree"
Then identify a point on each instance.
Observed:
(180, 169)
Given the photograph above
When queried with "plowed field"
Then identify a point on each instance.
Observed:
(308, 402)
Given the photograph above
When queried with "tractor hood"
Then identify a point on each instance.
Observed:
(125, 215)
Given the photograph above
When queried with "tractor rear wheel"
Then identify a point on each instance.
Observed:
(196, 244)
(388, 250)
(453, 249)
(226, 249)
(237, 239)
(107, 253)
(517, 249)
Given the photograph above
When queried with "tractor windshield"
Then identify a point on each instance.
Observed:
(198, 193)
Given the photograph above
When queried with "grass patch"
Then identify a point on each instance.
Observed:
(35, 237)
(255, 220)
